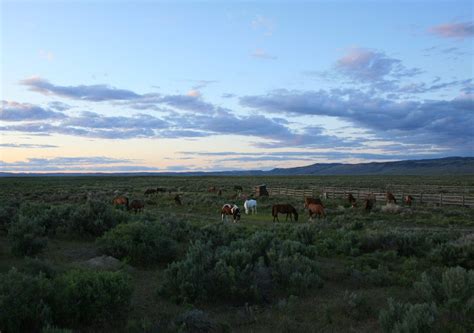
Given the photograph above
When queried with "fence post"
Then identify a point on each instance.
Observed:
(463, 200)
(440, 199)
(421, 197)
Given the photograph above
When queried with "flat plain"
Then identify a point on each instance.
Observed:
(186, 270)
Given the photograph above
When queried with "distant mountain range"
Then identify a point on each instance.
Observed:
(440, 166)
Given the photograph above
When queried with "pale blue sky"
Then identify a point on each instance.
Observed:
(292, 82)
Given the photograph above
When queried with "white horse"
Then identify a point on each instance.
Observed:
(251, 205)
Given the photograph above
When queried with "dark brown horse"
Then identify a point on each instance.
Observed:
(309, 200)
(136, 205)
(120, 201)
(287, 209)
(316, 209)
(369, 202)
(408, 200)
(150, 191)
(352, 200)
(229, 209)
(390, 198)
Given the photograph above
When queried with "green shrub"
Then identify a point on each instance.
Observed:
(140, 243)
(406, 317)
(49, 217)
(356, 305)
(94, 218)
(35, 266)
(26, 238)
(8, 213)
(91, 298)
(452, 291)
(24, 301)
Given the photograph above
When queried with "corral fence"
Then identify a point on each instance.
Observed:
(439, 199)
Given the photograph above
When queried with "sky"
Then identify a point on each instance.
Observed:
(128, 86)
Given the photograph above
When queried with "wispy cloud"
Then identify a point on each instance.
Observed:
(13, 111)
(80, 164)
(368, 65)
(26, 145)
(264, 24)
(93, 93)
(453, 30)
(262, 54)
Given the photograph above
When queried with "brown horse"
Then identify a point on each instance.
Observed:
(369, 202)
(136, 205)
(316, 209)
(177, 200)
(150, 191)
(352, 200)
(212, 189)
(408, 200)
(287, 209)
(390, 198)
(229, 209)
(309, 200)
(120, 201)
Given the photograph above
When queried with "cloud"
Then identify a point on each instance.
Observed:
(95, 93)
(13, 111)
(26, 145)
(445, 123)
(193, 93)
(366, 65)
(263, 24)
(453, 30)
(262, 54)
(80, 164)
(47, 55)
(59, 106)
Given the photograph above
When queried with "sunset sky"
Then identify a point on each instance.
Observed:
(116, 86)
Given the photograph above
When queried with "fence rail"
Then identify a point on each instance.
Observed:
(440, 199)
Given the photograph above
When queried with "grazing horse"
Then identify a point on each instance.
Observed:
(150, 191)
(315, 209)
(177, 200)
(352, 200)
(250, 205)
(390, 198)
(287, 209)
(408, 200)
(136, 205)
(309, 200)
(212, 189)
(229, 209)
(120, 201)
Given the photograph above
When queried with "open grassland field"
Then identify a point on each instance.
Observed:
(179, 268)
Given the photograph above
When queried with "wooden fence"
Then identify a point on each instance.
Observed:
(440, 199)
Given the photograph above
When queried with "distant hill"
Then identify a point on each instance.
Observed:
(440, 166)
(427, 167)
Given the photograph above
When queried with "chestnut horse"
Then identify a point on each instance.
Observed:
(390, 198)
(120, 201)
(229, 209)
(309, 200)
(369, 202)
(287, 209)
(315, 209)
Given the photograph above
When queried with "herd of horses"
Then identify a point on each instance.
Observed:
(314, 206)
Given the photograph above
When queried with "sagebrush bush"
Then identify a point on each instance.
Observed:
(84, 298)
(406, 317)
(25, 301)
(49, 217)
(246, 269)
(94, 218)
(26, 238)
(8, 213)
(35, 266)
(140, 243)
